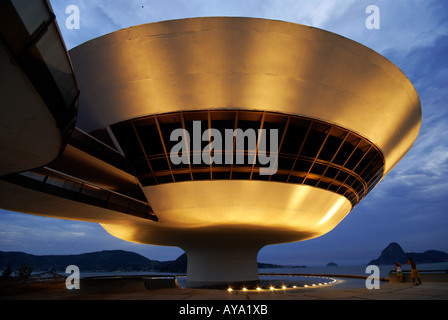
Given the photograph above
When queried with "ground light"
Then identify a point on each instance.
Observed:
(285, 287)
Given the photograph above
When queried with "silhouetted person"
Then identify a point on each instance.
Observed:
(397, 266)
(414, 271)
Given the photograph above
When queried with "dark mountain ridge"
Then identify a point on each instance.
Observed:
(104, 261)
(120, 260)
(107, 260)
(393, 252)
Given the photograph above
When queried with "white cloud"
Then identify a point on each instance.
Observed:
(437, 161)
(404, 24)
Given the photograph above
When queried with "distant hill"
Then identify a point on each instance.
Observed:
(393, 252)
(180, 265)
(105, 261)
(108, 260)
(177, 266)
(271, 265)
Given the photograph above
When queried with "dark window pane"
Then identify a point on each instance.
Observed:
(141, 167)
(248, 122)
(150, 138)
(103, 136)
(342, 176)
(127, 139)
(279, 177)
(118, 203)
(354, 159)
(164, 179)
(296, 179)
(313, 143)
(330, 147)
(240, 175)
(279, 126)
(357, 185)
(159, 164)
(246, 136)
(318, 169)
(302, 165)
(352, 198)
(257, 176)
(148, 181)
(294, 136)
(179, 166)
(342, 190)
(182, 177)
(351, 179)
(365, 161)
(168, 123)
(197, 145)
(372, 168)
(311, 182)
(227, 138)
(166, 130)
(221, 175)
(331, 172)
(343, 153)
(201, 176)
(285, 163)
(323, 184)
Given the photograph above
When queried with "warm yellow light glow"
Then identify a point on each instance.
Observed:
(244, 289)
(271, 288)
(230, 290)
(258, 289)
(196, 204)
(337, 206)
(283, 287)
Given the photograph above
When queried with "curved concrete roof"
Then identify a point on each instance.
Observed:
(38, 94)
(255, 64)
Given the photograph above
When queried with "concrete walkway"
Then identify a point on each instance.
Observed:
(387, 291)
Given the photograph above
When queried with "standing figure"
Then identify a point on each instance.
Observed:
(414, 272)
(397, 267)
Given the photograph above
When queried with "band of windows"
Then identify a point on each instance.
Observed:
(310, 152)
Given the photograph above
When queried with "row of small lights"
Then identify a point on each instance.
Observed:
(283, 288)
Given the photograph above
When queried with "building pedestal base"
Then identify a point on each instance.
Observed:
(217, 267)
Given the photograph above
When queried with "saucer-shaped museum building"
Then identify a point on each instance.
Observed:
(343, 117)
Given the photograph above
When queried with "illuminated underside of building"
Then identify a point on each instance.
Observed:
(344, 114)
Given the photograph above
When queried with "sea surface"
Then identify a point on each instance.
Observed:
(353, 270)
(297, 277)
(359, 270)
(308, 278)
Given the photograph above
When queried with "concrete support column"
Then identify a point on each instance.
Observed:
(220, 265)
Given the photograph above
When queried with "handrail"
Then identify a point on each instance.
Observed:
(76, 129)
(97, 148)
(60, 184)
(421, 271)
(321, 275)
(53, 171)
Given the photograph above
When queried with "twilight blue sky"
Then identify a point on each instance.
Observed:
(409, 206)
